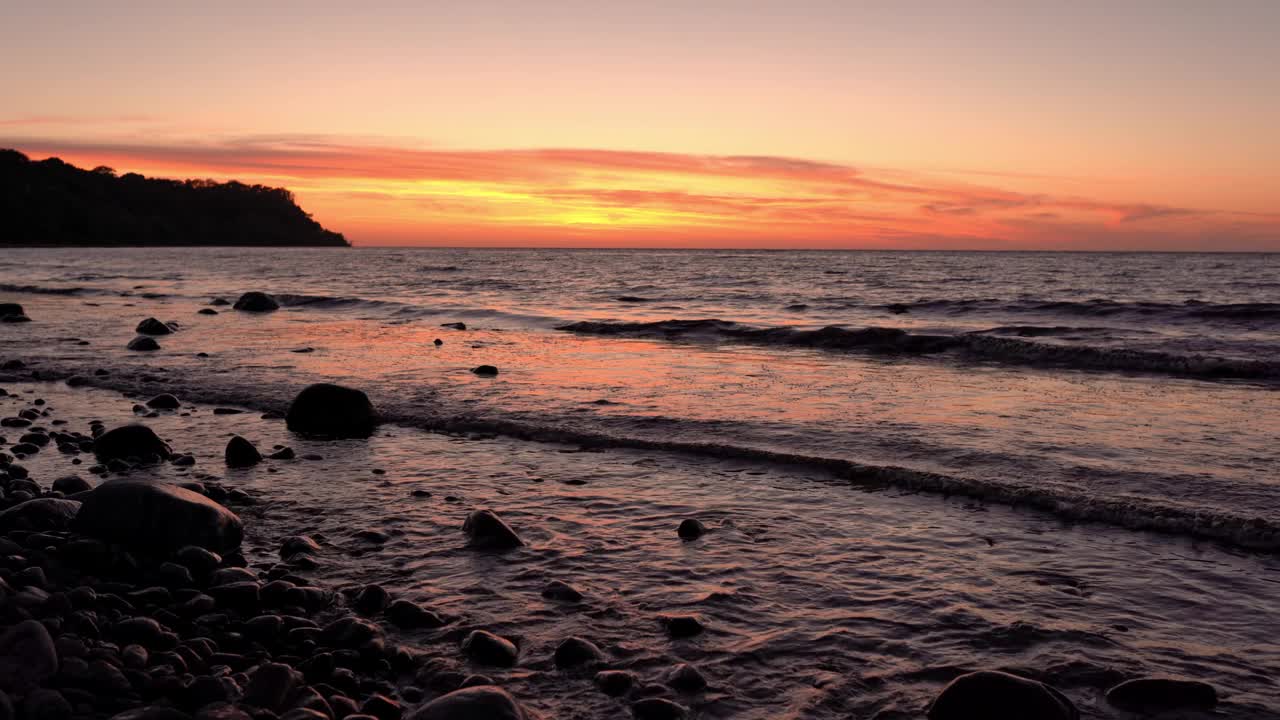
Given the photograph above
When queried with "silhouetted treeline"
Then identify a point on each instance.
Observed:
(52, 203)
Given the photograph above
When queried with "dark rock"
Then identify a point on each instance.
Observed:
(270, 685)
(285, 453)
(454, 325)
(575, 651)
(615, 682)
(199, 560)
(408, 615)
(39, 514)
(46, 704)
(683, 626)
(656, 708)
(371, 600)
(107, 678)
(256, 302)
(152, 326)
(27, 657)
(11, 309)
(164, 401)
(691, 529)
(1150, 695)
(144, 631)
(557, 590)
(484, 647)
(332, 411)
(372, 536)
(382, 707)
(219, 302)
(483, 702)
(438, 342)
(994, 695)
(488, 370)
(351, 632)
(14, 318)
(24, 448)
(298, 544)
(244, 595)
(156, 516)
(207, 311)
(686, 678)
(487, 530)
(241, 453)
(143, 343)
(127, 441)
(71, 484)
(226, 576)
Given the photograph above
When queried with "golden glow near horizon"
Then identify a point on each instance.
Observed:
(802, 124)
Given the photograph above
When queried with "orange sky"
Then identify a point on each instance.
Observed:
(801, 124)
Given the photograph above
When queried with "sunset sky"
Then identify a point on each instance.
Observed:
(1086, 125)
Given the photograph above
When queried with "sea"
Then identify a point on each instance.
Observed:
(912, 464)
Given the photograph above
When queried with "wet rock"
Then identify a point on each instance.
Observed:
(157, 516)
(691, 529)
(271, 685)
(615, 682)
(376, 537)
(557, 590)
(454, 325)
(381, 707)
(285, 453)
(27, 656)
(484, 647)
(575, 652)
(332, 411)
(164, 401)
(39, 514)
(1151, 695)
(483, 702)
(683, 626)
(152, 326)
(207, 311)
(408, 615)
(46, 704)
(994, 695)
(656, 708)
(14, 318)
(11, 309)
(438, 342)
(226, 576)
(71, 484)
(296, 544)
(351, 632)
(256, 302)
(24, 448)
(686, 678)
(137, 441)
(487, 530)
(241, 453)
(371, 600)
(197, 559)
(143, 343)
(486, 370)
(245, 595)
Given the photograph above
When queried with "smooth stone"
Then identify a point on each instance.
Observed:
(282, 454)
(241, 453)
(482, 702)
(130, 441)
(691, 529)
(298, 544)
(562, 591)
(271, 684)
(656, 708)
(157, 515)
(27, 656)
(408, 615)
(576, 651)
(615, 682)
(484, 647)
(371, 600)
(331, 410)
(143, 343)
(994, 695)
(686, 678)
(40, 514)
(1161, 694)
(152, 326)
(485, 370)
(255, 301)
(164, 401)
(199, 560)
(71, 484)
(207, 311)
(487, 530)
(381, 707)
(454, 325)
(683, 626)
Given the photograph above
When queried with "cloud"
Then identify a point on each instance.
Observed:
(641, 197)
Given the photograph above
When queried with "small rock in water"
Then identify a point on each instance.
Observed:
(303, 350)
(691, 529)
(576, 651)
(455, 325)
(282, 454)
(226, 411)
(488, 370)
(256, 302)
(137, 441)
(438, 342)
(558, 590)
(1158, 695)
(71, 484)
(994, 695)
(408, 615)
(241, 453)
(152, 326)
(615, 682)
(298, 544)
(683, 626)
(371, 600)
(486, 648)
(487, 530)
(143, 343)
(332, 411)
(656, 708)
(164, 401)
(11, 309)
(686, 678)
(207, 311)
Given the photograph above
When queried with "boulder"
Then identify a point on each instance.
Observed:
(137, 441)
(157, 516)
(487, 530)
(40, 514)
(994, 695)
(143, 343)
(241, 453)
(332, 411)
(152, 326)
(486, 648)
(1150, 695)
(164, 401)
(482, 702)
(256, 302)
(27, 656)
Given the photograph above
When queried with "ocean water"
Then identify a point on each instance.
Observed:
(913, 463)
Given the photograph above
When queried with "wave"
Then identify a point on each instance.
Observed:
(42, 290)
(1136, 513)
(970, 346)
(1188, 310)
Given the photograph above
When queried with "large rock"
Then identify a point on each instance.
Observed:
(138, 441)
(27, 656)
(487, 530)
(993, 695)
(256, 302)
(482, 702)
(241, 453)
(1159, 694)
(332, 411)
(157, 516)
(40, 514)
(152, 326)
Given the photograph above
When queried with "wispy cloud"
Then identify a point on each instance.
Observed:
(388, 192)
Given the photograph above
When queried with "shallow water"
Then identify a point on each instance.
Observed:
(821, 601)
